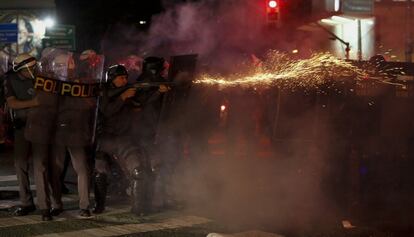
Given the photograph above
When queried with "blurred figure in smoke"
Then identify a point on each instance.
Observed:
(73, 135)
(119, 116)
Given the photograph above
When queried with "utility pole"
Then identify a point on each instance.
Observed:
(359, 40)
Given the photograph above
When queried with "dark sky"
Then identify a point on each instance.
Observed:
(93, 17)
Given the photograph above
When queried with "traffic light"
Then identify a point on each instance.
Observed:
(286, 13)
(272, 11)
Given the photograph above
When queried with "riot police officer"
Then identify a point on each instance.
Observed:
(39, 130)
(153, 103)
(116, 143)
(20, 96)
(73, 135)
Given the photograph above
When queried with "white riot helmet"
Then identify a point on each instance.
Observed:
(22, 61)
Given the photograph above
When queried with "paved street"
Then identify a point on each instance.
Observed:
(118, 221)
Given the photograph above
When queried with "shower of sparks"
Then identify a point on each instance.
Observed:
(280, 70)
(382, 74)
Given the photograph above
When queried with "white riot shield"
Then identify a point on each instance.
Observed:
(68, 74)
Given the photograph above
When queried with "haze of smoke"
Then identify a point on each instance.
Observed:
(282, 192)
(216, 30)
(223, 33)
(286, 191)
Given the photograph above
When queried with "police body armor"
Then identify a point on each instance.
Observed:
(23, 89)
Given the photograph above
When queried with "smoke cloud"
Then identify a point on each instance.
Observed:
(222, 32)
(247, 176)
(284, 190)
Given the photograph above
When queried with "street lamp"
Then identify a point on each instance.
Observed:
(347, 48)
(48, 22)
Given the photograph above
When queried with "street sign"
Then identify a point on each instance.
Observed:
(8, 33)
(358, 6)
(60, 31)
(60, 36)
(60, 43)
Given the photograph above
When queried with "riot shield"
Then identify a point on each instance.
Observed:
(133, 64)
(75, 80)
(63, 65)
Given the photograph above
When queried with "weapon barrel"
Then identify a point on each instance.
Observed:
(113, 92)
(152, 84)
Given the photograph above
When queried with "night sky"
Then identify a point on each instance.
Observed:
(93, 17)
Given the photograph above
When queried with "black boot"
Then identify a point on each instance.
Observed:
(138, 187)
(100, 192)
(23, 210)
(46, 216)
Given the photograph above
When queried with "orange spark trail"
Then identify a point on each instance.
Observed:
(278, 69)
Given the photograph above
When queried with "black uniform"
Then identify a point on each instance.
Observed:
(161, 146)
(21, 89)
(150, 101)
(117, 143)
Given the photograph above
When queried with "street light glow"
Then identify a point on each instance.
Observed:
(49, 22)
(337, 5)
(272, 4)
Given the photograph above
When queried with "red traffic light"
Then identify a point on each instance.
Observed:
(272, 11)
(272, 4)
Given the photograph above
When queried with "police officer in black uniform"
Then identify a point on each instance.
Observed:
(153, 103)
(116, 143)
(20, 96)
